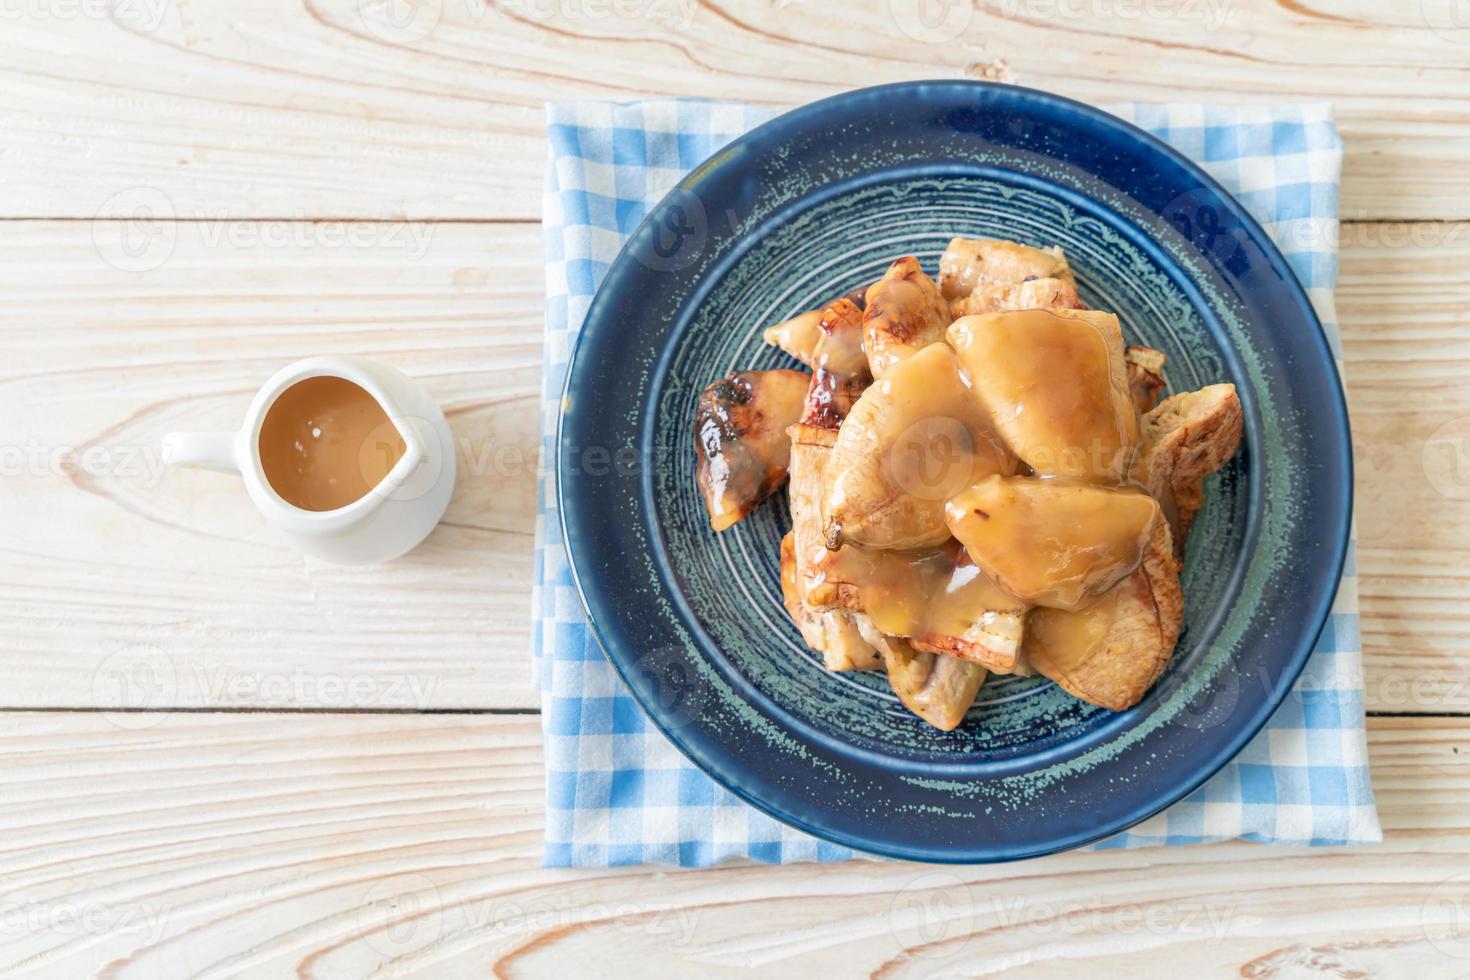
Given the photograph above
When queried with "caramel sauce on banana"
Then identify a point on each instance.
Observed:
(913, 440)
(1058, 642)
(1056, 387)
(925, 460)
(904, 313)
(929, 529)
(1054, 542)
(740, 439)
(921, 592)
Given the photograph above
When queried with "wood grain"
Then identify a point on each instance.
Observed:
(157, 844)
(226, 845)
(432, 108)
(1403, 303)
(123, 583)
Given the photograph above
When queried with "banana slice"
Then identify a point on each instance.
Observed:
(912, 441)
(1056, 386)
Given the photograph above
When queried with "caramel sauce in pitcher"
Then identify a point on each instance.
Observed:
(326, 443)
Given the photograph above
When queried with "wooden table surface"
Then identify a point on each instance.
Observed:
(222, 759)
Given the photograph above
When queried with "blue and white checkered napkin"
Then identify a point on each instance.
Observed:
(618, 793)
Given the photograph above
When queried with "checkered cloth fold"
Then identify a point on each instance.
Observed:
(618, 793)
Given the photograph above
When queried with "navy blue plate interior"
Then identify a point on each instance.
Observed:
(820, 200)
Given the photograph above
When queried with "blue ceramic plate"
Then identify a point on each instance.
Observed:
(820, 200)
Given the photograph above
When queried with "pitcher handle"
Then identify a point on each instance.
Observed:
(202, 450)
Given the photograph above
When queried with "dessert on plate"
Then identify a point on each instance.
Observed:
(982, 476)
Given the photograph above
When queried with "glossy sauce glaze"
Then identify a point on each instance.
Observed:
(1049, 385)
(839, 367)
(971, 480)
(740, 439)
(1059, 642)
(1056, 386)
(913, 440)
(904, 314)
(325, 443)
(1053, 542)
(921, 592)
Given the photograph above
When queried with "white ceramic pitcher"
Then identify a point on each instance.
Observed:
(386, 522)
